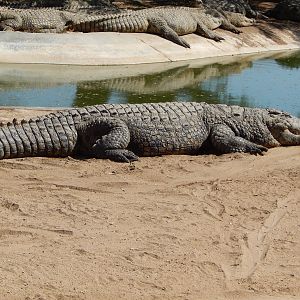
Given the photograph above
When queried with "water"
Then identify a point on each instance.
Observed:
(254, 81)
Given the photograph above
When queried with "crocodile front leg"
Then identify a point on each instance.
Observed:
(224, 140)
(160, 27)
(104, 138)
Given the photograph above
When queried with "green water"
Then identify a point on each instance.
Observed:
(265, 81)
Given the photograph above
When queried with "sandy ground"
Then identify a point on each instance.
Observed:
(176, 227)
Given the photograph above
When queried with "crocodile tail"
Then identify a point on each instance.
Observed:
(112, 23)
(37, 137)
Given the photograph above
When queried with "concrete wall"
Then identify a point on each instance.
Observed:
(121, 48)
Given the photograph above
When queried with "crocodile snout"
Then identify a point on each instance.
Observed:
(286, 132)
(295, 126)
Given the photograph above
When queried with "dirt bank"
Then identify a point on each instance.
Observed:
(176, 227)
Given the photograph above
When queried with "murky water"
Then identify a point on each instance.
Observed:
(260, 81)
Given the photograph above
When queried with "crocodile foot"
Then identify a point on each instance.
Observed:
(119, 155)
(218, 38)
(255, 149)
(237, 31)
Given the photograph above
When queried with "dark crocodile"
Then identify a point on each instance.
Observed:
(237, 6)
(98, 7)
(53, 3)
(169, 23)
(286, 10)
(121, 132)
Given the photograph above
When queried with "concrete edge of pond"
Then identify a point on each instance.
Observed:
(108, 48)
(75, 73)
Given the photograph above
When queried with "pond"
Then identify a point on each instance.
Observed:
(266, 80)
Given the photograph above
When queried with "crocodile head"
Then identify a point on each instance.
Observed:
(284, 127)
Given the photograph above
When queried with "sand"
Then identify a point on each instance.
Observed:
(176, 227)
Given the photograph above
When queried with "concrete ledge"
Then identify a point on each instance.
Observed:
(123, 49)
(57, 74)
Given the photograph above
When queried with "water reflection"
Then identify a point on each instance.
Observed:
(177, 84)
(248, 81)
(290, 62)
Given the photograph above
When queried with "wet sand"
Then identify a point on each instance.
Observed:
(176, 227)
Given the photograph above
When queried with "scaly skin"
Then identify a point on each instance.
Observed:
(237, 6)
(36, 20)
(41, 137)
(119, 132)
(55, 3)
(169, 23)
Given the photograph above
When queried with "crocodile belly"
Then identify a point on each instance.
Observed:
(182, 25)
(181, 136)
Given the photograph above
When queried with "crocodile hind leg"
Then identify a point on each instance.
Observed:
(226, 25)
(160, 27)
(204, 31)
(104, 138)
(224, 140)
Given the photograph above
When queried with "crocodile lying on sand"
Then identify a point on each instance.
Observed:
(169, 23)
(120, 132)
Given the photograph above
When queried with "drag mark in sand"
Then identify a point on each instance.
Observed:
(254, 247)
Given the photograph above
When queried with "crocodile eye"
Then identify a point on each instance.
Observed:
(274, 112)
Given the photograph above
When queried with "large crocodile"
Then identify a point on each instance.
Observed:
(167, 22)
(121, 132)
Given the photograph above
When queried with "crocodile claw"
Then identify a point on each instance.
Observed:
(256, 149)
(218, 38)
(237, 31)
(184, 43)
(120, 155)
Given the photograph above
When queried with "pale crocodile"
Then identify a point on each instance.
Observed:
(37, 20)
(167, 22)
(121, 132)
(48, 15)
